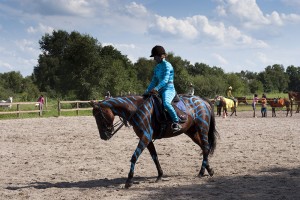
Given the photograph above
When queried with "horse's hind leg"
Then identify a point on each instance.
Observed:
(205, 165)
(153, 154)
(203, 143)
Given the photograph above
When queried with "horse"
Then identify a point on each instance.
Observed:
(7, 103)
(294, 96)
(279, 103)
(242, 100)
(225, 103)
(140, 113)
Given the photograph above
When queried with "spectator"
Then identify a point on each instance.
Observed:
(41, 102)
(107, 96)
(191, 90)
(254, 102)
(264, 106)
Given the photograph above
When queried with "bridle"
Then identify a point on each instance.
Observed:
(119, 124)
(111, 129)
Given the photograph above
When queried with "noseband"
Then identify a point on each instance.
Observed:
(109, 128)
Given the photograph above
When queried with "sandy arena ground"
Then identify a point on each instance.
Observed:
(64, 158)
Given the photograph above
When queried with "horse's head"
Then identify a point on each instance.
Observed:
(104, 119)
(217, 100)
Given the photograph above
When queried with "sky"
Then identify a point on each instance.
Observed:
(234, 35)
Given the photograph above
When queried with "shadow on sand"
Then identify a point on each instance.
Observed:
(273, 183)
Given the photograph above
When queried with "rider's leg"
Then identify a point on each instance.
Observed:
(167, 97)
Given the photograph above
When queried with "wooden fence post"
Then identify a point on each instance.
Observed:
(58, 107)
(18, 109)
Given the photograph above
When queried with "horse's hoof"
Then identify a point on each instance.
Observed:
(201, 173)
(211, 172)
(158, 179)
(128, 184)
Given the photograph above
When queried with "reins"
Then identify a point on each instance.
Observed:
(120, 123)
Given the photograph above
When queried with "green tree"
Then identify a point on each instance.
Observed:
(294, 77)
(237, 83)
(276, 80)
(255, 86)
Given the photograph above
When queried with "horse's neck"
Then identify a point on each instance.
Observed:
(128, 106)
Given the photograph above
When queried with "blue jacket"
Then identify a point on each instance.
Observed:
(162, 77)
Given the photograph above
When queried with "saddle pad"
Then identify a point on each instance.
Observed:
(178, 105)
(181, 111)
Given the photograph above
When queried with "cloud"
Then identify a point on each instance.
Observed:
(41, 29)
(251, 16)
(28, 46)
(199, 28)
(136, 10)
(220, 59)
(81, 8)
(263, 58)
(5, 66)
(124, 46)
(172, 26)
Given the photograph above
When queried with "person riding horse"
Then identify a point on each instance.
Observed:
(163, 83)
(230, 96)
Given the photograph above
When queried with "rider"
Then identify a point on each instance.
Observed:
(229, 95)
(163, 83)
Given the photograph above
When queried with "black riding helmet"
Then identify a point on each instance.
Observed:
(157, 51)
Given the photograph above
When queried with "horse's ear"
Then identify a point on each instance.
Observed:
(92, 103)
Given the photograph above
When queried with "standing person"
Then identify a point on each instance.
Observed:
(264, 106)
(191, 90)
(163, 83)
(107, 96)
(254, 102)
(41, 101)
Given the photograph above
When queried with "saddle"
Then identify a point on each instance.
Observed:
(163, 116)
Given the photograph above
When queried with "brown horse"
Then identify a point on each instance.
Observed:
(294, 97)
(242, 100)
(141, 114)
(279, 103)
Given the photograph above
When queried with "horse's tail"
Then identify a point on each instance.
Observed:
(212, 133)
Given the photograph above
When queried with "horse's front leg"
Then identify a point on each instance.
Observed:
(153, 154)
(138, 151)
(225, 111)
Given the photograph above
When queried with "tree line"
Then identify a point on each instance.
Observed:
(76, 66)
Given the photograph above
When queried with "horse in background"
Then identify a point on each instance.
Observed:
(242, 100)
(141, 114)
(225, 103)
(279, 103)
(7, 103)
(294, 97)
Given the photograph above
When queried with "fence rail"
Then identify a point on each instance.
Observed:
(77, 108)
(19, 111)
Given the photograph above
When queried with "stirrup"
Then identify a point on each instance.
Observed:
(176, 127)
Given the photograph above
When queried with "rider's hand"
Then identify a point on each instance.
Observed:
(154, 91)
(145, 95)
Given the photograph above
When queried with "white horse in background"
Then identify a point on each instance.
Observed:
(7, 103)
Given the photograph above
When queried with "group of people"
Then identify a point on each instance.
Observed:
(263, 109)
(255, 100)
